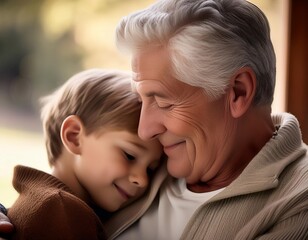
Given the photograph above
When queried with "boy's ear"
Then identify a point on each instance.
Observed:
(71, 131)
(242, 91)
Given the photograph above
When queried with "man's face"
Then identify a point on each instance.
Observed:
(189, 126)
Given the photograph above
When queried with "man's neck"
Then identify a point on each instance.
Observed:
(253, 131)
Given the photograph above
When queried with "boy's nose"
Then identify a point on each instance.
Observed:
(139, 178)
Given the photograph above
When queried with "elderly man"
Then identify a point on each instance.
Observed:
(205, 73)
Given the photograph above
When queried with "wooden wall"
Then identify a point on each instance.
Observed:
(297, 77)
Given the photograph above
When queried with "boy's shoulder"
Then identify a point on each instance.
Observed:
(50, 210)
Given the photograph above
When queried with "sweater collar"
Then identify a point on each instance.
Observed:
(25, 177)
(263, 171)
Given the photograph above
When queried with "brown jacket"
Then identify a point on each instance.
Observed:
(47, 209)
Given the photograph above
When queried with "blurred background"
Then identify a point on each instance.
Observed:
(44, 42)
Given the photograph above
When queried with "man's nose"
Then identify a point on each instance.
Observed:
(150, 124)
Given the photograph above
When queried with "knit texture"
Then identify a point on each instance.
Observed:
(47, 209)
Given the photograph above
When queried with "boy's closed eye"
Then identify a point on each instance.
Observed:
(129, 156)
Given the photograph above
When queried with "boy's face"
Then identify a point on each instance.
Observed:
(114, 168)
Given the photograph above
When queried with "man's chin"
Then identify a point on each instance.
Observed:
(174, 172)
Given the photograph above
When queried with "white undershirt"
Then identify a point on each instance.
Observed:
(168, 220)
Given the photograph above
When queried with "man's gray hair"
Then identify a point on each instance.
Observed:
(208, 41)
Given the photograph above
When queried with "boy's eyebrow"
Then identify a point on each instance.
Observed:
(137, 144)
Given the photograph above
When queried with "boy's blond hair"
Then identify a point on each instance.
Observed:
(100, 98)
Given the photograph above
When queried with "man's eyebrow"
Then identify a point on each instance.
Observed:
(136, 83)
(155, 94)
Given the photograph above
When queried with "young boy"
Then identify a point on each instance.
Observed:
(97, 159)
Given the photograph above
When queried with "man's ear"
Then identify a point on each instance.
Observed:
(71, 131)
(242, 91)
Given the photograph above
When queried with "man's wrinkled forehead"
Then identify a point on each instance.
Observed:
(134, 81)
(148, 64)
(139, 66)
(135, 76)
